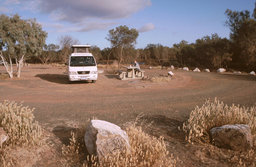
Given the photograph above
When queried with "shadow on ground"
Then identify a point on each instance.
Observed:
(63, 133)
(160, 125)
(240, 77)
(58, 78)
(112, 76)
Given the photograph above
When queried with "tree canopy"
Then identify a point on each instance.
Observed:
(122, 37)
(243, 37)
(18, 38)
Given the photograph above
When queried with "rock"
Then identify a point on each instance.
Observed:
(185, 68)
(103, 138)
(221, 70)
(196, 70)
(207, 70)
(252, 73)
(171, 73)
(236, 137)
(172, 67)
(150, 67)
(3, 136)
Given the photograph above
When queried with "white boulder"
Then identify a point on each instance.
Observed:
(236, 137)
(171, 73)
(207, 70)
(3, 137)
(150, 67)
(103, 138)
(221, 70)
(185, 68)
(196, 70)
(172, 67)
(252, 73)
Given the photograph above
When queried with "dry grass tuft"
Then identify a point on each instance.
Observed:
(18, 122)
(214, 114)
(145, 151)
(160, 79)
(4, 76)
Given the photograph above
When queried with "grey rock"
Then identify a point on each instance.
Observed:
(196, 70)
(235, 137)
(103, 138)
(221, 70)
(252, 73)
(207, 70)
(170, 73)
(185, 68)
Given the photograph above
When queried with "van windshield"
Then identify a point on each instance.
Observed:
(82, 61)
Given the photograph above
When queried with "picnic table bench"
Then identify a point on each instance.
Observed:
(131, 72)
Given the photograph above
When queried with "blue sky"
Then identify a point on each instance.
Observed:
(159, 21)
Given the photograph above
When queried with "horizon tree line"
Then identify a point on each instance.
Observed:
(24, 40)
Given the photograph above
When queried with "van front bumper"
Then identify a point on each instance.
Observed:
(82, 77)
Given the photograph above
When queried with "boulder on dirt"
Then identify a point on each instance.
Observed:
(207, 70)
(172, 67)
(252, 73)
(185, 68)
(196, 70)
(235, 137)
(103, 138)
(221, 70)
(3, 136)
(170, 73)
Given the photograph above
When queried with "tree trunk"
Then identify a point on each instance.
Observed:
(20, 65)
(9, 71)
(120, 57)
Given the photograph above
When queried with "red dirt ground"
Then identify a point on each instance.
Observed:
(60, 105)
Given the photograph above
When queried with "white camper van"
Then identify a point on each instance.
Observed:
(82, 65)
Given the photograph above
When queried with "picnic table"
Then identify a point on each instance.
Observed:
(131, 72)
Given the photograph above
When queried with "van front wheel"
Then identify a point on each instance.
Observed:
(93, 81)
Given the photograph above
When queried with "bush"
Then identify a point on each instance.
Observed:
(160, 79)
(145, 151)
(18, 122)
(214, 114)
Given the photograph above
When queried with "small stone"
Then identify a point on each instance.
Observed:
(196, 70)
(172, 67)
(252, 73)
(185, 68)
(170, 73)
(207, 70)
(235, 137)
(221, 70)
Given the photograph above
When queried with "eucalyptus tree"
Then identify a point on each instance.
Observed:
(122, 37)
(19, 38)
(243, 37)
(65, 45)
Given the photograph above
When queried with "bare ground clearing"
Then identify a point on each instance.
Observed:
(61, 106)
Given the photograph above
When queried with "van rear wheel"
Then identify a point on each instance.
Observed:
(93, 81)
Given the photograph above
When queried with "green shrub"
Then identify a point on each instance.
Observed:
(18, 122)
(214, 114)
